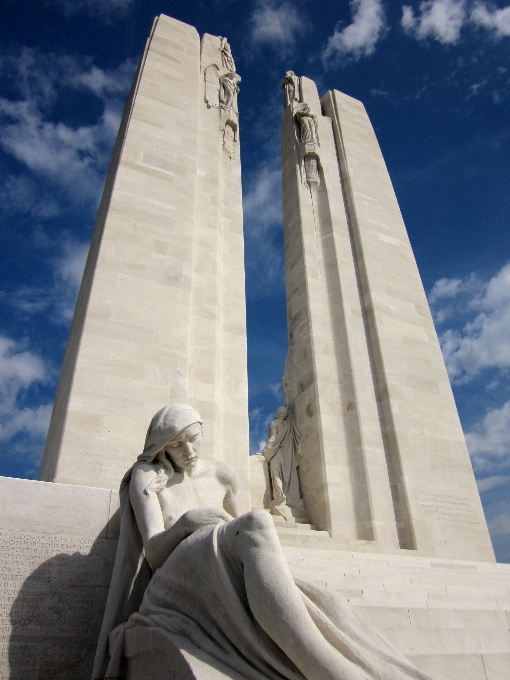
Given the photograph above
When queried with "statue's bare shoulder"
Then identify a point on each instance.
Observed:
(226, 474)
(142, 475)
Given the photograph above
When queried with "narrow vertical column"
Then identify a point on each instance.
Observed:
(344, 472)
(151, 322)
(433, 487)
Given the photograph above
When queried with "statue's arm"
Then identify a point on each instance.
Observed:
(228, 478)
(272, 429)
(159, 542)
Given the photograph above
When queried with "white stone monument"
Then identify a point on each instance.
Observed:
(378, 457)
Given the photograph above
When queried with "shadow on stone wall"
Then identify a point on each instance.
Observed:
(56, 616)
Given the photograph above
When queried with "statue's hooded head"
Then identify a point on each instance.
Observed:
(166, 425)
(282, 412)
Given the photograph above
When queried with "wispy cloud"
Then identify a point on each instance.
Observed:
(259, 429)
(277, 25)
(262, 207)
(495, 20)
(56, 301)
(438, 19)
(484, 341)
(20, 371)
(72, 159)
(493, 482)
(359, 38)
(489, 444)
(443, 20)
(104, 9)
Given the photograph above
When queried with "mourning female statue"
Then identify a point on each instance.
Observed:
(282, 452)
(187, 567)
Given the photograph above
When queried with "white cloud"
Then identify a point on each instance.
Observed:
(489, 441)
(359, 38)
(496, 20)
(447, 295)
(69, 268)
(276, 24)
(20, 369)
(262, 202)
(70, 158)
(484, 341)
(276, 390)
(105, 9)
(438, 19)
(57, 301)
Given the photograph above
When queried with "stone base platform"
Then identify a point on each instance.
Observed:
(450, 618)
(58, 542)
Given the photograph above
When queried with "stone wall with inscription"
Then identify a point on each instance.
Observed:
(57, 547)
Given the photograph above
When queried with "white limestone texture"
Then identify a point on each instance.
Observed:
(161, 312)
(384, 457)
(57, 548)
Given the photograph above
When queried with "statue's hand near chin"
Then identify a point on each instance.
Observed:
(197, 518)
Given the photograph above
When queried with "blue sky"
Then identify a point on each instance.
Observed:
(435, 79)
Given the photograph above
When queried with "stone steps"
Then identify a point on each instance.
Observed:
(450, 618)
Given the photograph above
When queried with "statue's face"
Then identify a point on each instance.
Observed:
(184, 451)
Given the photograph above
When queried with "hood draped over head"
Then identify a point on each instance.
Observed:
(166, 425)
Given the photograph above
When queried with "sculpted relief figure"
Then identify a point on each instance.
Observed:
(228, 90)
(227, 60)
(291, 86)
(308, 126)
(309, 138)
(221, 81)
(282, 452)
(192, 574)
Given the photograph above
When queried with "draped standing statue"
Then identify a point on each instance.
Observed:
(188, 567)
(282, 452)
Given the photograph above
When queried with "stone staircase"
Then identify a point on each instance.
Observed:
(451, 618)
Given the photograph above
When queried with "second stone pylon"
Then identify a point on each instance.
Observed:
(385, 465)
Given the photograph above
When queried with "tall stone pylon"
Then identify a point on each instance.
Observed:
(161, 311)
(385, 462)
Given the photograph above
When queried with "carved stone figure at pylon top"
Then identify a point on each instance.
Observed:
(291, 85)
(227, 60)
(282, 452)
